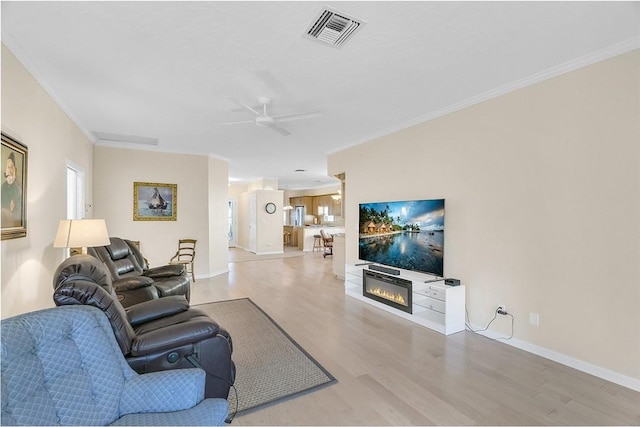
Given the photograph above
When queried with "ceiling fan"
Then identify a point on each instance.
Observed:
(264, 119)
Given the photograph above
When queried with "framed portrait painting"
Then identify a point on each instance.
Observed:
(154, 202)
(14, 188)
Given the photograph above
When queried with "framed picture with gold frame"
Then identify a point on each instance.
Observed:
(154, 202)
(14, 188)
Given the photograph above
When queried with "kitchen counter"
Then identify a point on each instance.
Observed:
(305, 235)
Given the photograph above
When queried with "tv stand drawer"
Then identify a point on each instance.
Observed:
(431, 303)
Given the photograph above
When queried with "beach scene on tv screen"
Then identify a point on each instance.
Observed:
(403, 234)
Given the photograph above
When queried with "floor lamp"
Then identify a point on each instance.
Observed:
(79, 234)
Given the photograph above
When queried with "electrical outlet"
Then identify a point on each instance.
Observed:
(534, 319)
(502, 309)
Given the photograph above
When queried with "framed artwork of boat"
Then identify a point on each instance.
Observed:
(154, 202)
(14, 188)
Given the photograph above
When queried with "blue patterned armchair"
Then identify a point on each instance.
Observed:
(63, 366)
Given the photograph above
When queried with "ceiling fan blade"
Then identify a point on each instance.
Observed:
(296, 116)
(236, 123)
(245, 106)
(281, 131)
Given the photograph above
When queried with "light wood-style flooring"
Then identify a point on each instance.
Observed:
(393, 372)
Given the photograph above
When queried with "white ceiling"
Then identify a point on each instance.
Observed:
(166, 70)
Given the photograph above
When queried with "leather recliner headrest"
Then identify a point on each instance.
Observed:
(82, 267)
(118, 248)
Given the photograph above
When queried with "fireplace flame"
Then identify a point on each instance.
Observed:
(397, 298)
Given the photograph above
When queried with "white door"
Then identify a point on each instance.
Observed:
(233, 224)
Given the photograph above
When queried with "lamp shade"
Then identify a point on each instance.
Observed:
(81, 233)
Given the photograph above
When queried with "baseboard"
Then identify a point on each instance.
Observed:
(260, 253)
(214, 274)
(572, 362)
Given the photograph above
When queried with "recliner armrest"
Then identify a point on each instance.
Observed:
(173, 336)
(156, 309)
(131, 283)
(163, 391)
(165, 271)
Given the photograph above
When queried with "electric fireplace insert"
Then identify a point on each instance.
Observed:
(389, 290)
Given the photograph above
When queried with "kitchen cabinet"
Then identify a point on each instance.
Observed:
(323, 205)
(306, 201)
(318, 206)
(335, 208)
(308, 205)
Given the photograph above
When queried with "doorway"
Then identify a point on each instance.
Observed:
(233, 224)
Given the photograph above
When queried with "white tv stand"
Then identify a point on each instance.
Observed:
(435, 305)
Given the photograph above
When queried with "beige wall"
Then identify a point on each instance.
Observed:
(542, 190)
(236, 189)
(242, 216)
(269, 226)
(202, 201)
(33, 118)
(218, 216)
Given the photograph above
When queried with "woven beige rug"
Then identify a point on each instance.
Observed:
(270, 366)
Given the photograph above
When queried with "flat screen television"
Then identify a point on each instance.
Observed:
(403, 234)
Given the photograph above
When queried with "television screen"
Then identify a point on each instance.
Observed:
(404, 234)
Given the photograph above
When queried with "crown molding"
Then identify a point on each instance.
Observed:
(575, 64)
(14, 47)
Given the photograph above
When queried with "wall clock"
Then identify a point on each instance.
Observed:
(270, 208)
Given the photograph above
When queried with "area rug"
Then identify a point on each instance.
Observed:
(270, 365)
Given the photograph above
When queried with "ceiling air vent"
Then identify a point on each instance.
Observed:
(333, 27)
(114, 137)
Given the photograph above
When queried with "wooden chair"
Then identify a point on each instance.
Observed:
(185, 255)
(327, 242)
(317, 243)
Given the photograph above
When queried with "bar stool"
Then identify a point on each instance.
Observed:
(287, 238)
(317, 242)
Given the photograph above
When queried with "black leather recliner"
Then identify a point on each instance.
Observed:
(154, 335)
(133, 280)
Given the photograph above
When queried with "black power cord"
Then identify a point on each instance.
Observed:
(230, 418)
(467, 323)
